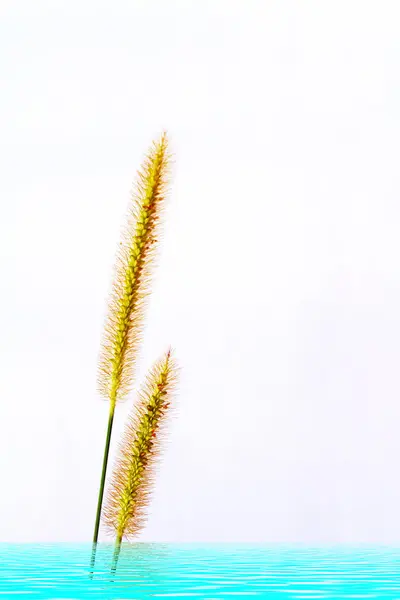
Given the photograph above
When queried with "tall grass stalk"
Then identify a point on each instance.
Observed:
(130, 289)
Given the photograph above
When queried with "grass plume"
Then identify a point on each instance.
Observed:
(123, 327)
(130, 288)
(129, 490)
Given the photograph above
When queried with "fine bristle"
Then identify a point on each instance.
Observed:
(130, 289)
(130, 486)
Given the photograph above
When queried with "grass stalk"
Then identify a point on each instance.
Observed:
(130, 289)
(130, 485)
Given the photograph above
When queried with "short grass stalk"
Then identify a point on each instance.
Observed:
(129, 490)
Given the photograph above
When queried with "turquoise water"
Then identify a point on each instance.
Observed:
(199, 571)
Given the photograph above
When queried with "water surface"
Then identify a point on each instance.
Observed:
(199, 571)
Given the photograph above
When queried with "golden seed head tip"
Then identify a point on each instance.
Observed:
(131, 286)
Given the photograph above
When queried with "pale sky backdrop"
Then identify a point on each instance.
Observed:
(279, 274)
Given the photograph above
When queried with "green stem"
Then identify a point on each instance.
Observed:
(102, 483)
(103, 473)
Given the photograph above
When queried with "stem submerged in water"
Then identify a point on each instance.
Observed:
(117, 550)
(92, 560)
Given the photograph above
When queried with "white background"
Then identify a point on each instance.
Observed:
(278, 278)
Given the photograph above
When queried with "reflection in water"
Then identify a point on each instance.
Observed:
(198, 571)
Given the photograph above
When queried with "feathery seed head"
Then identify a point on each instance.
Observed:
(129, 489)
(130, 289)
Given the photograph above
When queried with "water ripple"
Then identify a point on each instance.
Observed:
(208, 572)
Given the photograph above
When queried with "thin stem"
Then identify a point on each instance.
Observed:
(103, 473)
(102, 483)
